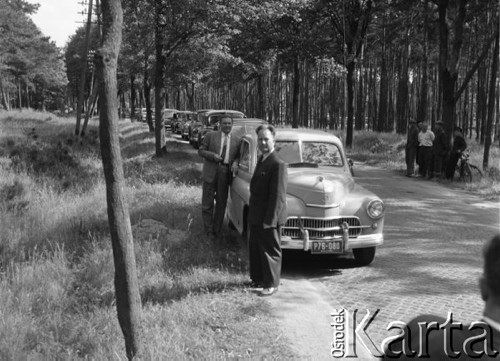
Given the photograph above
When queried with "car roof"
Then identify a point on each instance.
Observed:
(292, 134)
(224, 111)
(249, 121)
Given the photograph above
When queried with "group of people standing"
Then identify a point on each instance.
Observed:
(267, 208)
(431, 152)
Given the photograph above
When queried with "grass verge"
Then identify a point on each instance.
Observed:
(56, 268)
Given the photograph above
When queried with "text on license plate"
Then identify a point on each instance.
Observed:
(327, 247)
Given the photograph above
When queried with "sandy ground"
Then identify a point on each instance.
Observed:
(304, 313)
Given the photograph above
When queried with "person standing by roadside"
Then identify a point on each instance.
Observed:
(439, 151)
(411, 149)
(425, 141)
(459, 145)
(267, 212)
(220, 152)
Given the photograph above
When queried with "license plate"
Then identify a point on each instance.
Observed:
(327, 247)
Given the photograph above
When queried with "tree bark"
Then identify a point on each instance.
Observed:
(491, 105)
(128, 302)
(132, 99)
(350, 104)
(159, 74)
(424, 84)
(5, 102)
(295, 93)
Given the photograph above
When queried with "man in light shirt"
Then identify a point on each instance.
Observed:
(220, 152)
(425, 142)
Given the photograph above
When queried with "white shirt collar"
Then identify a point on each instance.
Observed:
(264, 156)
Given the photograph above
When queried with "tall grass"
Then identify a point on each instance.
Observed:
(56, 266)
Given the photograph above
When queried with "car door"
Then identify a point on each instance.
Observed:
(240, 187)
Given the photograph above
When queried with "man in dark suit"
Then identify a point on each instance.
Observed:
(439, 151)
(458, 147)
(220, 152)
(267, 212)
(437, 338)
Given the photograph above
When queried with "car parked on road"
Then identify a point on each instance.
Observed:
(209, 121)
(183, 116)
(328, 213)
(187, 129)
(168, 117)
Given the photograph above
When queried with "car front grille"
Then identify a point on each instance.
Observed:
(320, 228)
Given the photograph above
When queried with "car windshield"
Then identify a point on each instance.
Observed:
(169, 113)
(309, 153)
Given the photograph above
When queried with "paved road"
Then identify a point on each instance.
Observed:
(430, 263)
(431, 259)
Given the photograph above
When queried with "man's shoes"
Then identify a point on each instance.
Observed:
(268, 291)
(253, 284)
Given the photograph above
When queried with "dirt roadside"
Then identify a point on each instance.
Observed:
(303, 310)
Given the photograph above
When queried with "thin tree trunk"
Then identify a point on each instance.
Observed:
(128, 302)
(382, 108)
(159, 74)
(132, 99)
(89, 109)
(491, 105)
(424, 84)
(350, 104)
(295, 93)
(5, 102)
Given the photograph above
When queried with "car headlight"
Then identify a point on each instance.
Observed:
(375, 208)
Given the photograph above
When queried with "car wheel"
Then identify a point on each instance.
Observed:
(364, 256)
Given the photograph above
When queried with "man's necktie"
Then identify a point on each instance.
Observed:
(224, 149)
(259, 162)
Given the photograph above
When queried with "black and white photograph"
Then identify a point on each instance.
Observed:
(249, 180)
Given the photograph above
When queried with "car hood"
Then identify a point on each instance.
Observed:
(318, 188)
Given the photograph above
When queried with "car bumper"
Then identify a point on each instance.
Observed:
(361, 241)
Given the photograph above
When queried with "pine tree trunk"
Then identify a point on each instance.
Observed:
(491, 105)
(382, 108)
(132, 99)
(295, 96)
(159, 75)
(128, 302)
(402, 96)
(350, 104)
(424, 84)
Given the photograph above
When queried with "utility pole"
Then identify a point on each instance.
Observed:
(84, 70)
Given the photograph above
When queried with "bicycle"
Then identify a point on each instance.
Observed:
(465, 171)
